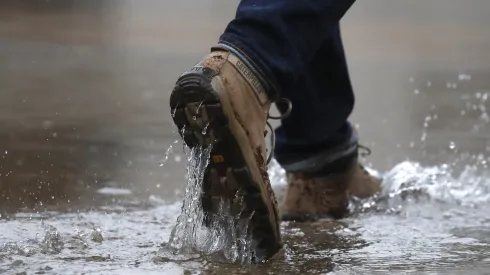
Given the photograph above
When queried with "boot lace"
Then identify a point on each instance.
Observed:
(365, 151)
(271, 129)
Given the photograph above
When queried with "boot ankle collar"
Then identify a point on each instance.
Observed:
(332, 160)
(250, 72)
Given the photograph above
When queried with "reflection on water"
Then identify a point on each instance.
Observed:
(55, 169)
(425, 220)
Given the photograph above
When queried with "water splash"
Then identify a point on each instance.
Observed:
(409, 183)
(169, 151)
(205, 129)
(277, 175)
(199, 107)
(19, 248)
(464, 77)
(412, 183)
(96, 235)
(221, 233)
(183, 235)
(52, 242)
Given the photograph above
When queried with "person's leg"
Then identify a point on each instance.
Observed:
(222, 103)
(303, 58)
(280, 38)
(316, 144)
(322, 102)
(300, 55)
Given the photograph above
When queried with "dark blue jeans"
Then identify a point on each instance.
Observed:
(296, 46)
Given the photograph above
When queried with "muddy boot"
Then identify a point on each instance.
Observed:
(222, 103)
(321, 186)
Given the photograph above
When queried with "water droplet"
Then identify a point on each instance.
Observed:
(204, 131)
(199, 107)
(167, 154)
(451, 85)
(429, 84)
(484, 97)
(411, 79)
(52, 242)
(463, 76)
(178, 158)
(416, 91)
(452, 145)
(96, 235)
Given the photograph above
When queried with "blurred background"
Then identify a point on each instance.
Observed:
(84, 89)
(85, 85)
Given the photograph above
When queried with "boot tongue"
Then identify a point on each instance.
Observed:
(250, 77)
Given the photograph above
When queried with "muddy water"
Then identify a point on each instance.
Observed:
(89, 183)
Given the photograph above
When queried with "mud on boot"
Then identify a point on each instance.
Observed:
(321, 187)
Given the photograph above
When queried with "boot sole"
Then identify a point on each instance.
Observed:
(202, 121)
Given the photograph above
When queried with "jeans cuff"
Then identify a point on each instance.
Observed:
(333, 160)
(232, 44)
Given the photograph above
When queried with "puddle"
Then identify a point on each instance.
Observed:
(424, 220)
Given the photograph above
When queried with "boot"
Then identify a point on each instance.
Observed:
(324, 192)
(222, 102)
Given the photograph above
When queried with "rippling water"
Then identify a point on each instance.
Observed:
(427, 219)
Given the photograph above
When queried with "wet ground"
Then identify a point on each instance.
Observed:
(89, 185)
